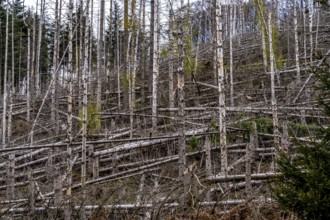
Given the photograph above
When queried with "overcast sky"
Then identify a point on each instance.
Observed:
(30, 2)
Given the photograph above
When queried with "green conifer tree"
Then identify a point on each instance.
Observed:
(304, 184)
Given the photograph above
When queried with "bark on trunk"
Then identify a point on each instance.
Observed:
(5, 86)
(221, 89)
(272, 82)
(69, 162)
(296, 41)
(100, 57)
(155, 67)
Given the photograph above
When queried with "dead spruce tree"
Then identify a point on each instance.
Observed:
(69, 162)
(221, 88)
(155, 64)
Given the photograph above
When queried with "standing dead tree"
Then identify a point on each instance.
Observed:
(221, 88)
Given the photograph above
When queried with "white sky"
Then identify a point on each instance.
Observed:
(30, 2)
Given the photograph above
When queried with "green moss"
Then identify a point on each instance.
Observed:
(301, 130)
(93, 118)
(164, 52)
(264, 125)
(193, 144)
(124, 79)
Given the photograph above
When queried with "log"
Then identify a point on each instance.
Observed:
(241, 177)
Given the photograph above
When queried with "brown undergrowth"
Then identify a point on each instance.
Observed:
(254, 210)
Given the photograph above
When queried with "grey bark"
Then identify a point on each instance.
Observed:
(221, 89)
(69, 160)
(41, 21)
(100, 57)
(272, 82)
(155, 66)
(5, 86)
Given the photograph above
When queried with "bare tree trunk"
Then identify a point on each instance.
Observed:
(151, 49)
(310, 9)
(208, 158)
(28, 74)
(31, 213)
(18, 83)
(250, 154)
(118, 65)
(231, 32)
(11, 159)
(85, 74)
(285, 137)
(296, 41)
(143, 55)
(272, 81)
(10, 112)
(140, 191)
(69, 162)
(100, 57)
(264, 54)
(221, 90)
(304, 9)
(54, 115)
(33, 58)
(41, 21)
(171, 92)
(90, 45)
(133, 73)
(12, 81)
(11, 176)
(155, 67)
(58, 189)
(5, 86)
(181, 107)
(110, 57)
(81, 52)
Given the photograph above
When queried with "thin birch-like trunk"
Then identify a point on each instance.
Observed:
(5, 86)
(310, 9)
(11, 82)
(171, 92)
(264, 50)
(33, 58)
(151, 49)
(68, 211)
(85, 74)
(10, 112)
(305, 32)
(100, 57)
(231, 32)
(90, 45)
(221, 90)
(208, 158)
(133, 73)
(20, 63)
(155, 67)
(28, 74)
(54, 118)
(265, 60)
(32, 200)
(81, 53)
(272, 84)
(118, 64)
(109, 46)
(41, 21)
(317, 26)
(296, 41)
(143, 55)
(54, 113)
(11, 161)
(181, 107)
